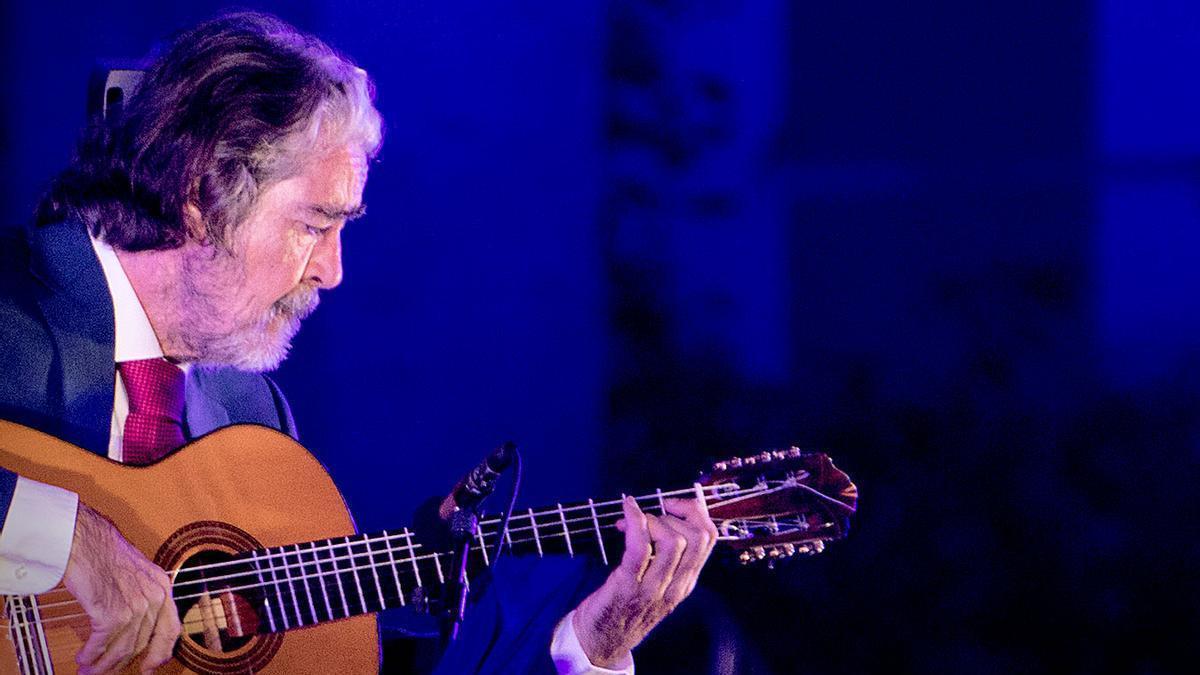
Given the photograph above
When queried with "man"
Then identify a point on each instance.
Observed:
(170, 266)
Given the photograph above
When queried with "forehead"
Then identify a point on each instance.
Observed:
(332, 180)
(341, 170)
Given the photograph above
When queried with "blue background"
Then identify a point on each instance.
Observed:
(954, 242)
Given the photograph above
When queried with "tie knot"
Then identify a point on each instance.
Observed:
(154, 387)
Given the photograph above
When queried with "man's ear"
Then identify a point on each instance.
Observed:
(195, 223)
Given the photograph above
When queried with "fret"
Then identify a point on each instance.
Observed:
(363, 564)
(41, 631)
(482, 545)
(337, 577)
(374, 572)
(599, 537)
(18, 626)
(266, 598)
(304, 579)
(662, 506)
(508, 537)
(437, 564)
(27, 634)
(362, 599)
(392, 563)
(287, 572)
(278, 591)
(37, 637)
(566, 531)
(412, 556)
(536, 539)
(321, 580)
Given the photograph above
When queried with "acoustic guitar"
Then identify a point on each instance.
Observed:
(268, 571)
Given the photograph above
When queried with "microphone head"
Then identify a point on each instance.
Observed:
(501, 457)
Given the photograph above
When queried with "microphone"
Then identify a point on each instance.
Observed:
(479, 482)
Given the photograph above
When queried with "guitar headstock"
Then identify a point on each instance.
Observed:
(779, 503)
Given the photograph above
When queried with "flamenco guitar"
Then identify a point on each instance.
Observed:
(268, 571)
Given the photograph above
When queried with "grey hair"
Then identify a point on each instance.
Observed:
(231, 107)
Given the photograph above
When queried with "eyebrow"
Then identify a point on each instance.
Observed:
(338, 213)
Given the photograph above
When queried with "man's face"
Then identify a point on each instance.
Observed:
(244, 307)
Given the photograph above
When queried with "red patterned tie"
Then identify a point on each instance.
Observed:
(154, 426)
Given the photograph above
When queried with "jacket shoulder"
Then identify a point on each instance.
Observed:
(248, 398)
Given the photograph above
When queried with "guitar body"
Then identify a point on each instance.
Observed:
(237, 489)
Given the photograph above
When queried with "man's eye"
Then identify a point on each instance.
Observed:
(314, 230)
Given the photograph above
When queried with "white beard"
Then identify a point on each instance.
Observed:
(257, 345)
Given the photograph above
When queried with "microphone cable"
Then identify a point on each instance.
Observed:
(512, 502)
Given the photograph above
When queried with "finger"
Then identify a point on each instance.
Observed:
(94, 647)
(140, 638)
(690, 563)
(637, 541)
(145, 630)
(669, 546)
(695, 512)
(118, 651)
(686, 508)
(166, 632)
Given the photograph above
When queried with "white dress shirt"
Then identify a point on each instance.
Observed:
(35, 541)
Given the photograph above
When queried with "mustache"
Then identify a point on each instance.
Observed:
(297, 304)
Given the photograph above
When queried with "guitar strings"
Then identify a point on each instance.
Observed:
(286, 586)
(386, 539)
(494, 521)
(481, 536)
(287, 580)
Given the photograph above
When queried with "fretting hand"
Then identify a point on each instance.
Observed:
(662, 560)
(127, 598)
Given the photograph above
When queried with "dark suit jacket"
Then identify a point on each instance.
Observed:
(57, 375)
(56, 351)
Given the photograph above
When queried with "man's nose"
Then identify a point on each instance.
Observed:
(325, 265)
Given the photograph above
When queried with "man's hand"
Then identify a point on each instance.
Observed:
(644, 588)
(127, 597)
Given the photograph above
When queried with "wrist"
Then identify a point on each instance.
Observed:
(602, 647)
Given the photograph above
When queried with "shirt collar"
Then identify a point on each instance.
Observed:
(134, 336)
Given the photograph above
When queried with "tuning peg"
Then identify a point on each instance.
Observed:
(745, 557)
(789, 550)
(793, 451)
(811, 548)
(765, 457)
(736, 462)
(721, 466)
(759, 552)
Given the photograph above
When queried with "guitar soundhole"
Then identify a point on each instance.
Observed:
(218, 599)
(215, 607)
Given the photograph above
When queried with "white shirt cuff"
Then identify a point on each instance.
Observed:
(569, 657)
(36, 540)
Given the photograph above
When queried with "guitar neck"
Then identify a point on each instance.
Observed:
(285, 587)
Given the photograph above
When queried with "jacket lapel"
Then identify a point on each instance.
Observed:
(78, 311)
(203, 413)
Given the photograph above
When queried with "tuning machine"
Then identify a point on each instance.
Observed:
(764, 457)
(810, 548)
